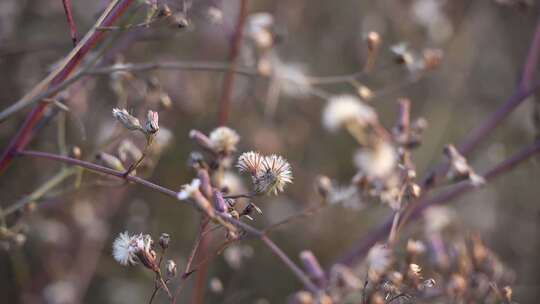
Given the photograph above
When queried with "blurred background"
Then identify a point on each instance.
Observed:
(66, 257)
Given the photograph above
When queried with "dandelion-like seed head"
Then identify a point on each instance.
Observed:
(250, 162)
(269, 174)
(189, 189)
(275, 175)
(343, 109)
(128, 250)
(224, 140)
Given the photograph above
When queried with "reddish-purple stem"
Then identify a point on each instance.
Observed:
(379, 233)
(228, 81)
(24, 134)
(71, 22)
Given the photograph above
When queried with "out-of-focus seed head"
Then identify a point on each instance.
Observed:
(344, 109)
(216, 286)
(324, 186)
(377, 161)
(188, 190)
(171, 268)
(224, 140)
(379, 258)
(373, 40)
(302, 297)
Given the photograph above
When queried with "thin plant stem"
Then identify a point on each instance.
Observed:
(115, 9)
(377, 234)
(228, 81)
(145, 183)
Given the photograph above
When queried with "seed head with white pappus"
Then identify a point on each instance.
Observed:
(269, 174)
(343, 109)
(224, 140)
(128, 250)
(188, 189)
(250, 162)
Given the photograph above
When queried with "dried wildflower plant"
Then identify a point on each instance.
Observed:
(441, 264)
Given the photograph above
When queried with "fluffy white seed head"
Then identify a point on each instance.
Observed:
(275, 175)
(269, 174)
(188, 189)
(250, 162)
(343, 109)
(377, 161)
(126, 248)
(224, 140)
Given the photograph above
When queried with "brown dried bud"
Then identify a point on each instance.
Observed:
(164, 240)
(248, 210)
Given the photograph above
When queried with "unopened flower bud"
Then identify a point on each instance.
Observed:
(127, 120)
(219, 202)
(164, 240)
(110, 161)
(373, 41)
(323, 185)
(76, 152)
(152, 122)
(312, 267)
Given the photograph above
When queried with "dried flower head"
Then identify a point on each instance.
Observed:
(152, 122)
(377, 161)
(459, 167)
(128, 250)
(250, 162)
(275, 175)
(188, 189)
(344, 109)
(224, 140)
(126, 119)
(258, 29)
